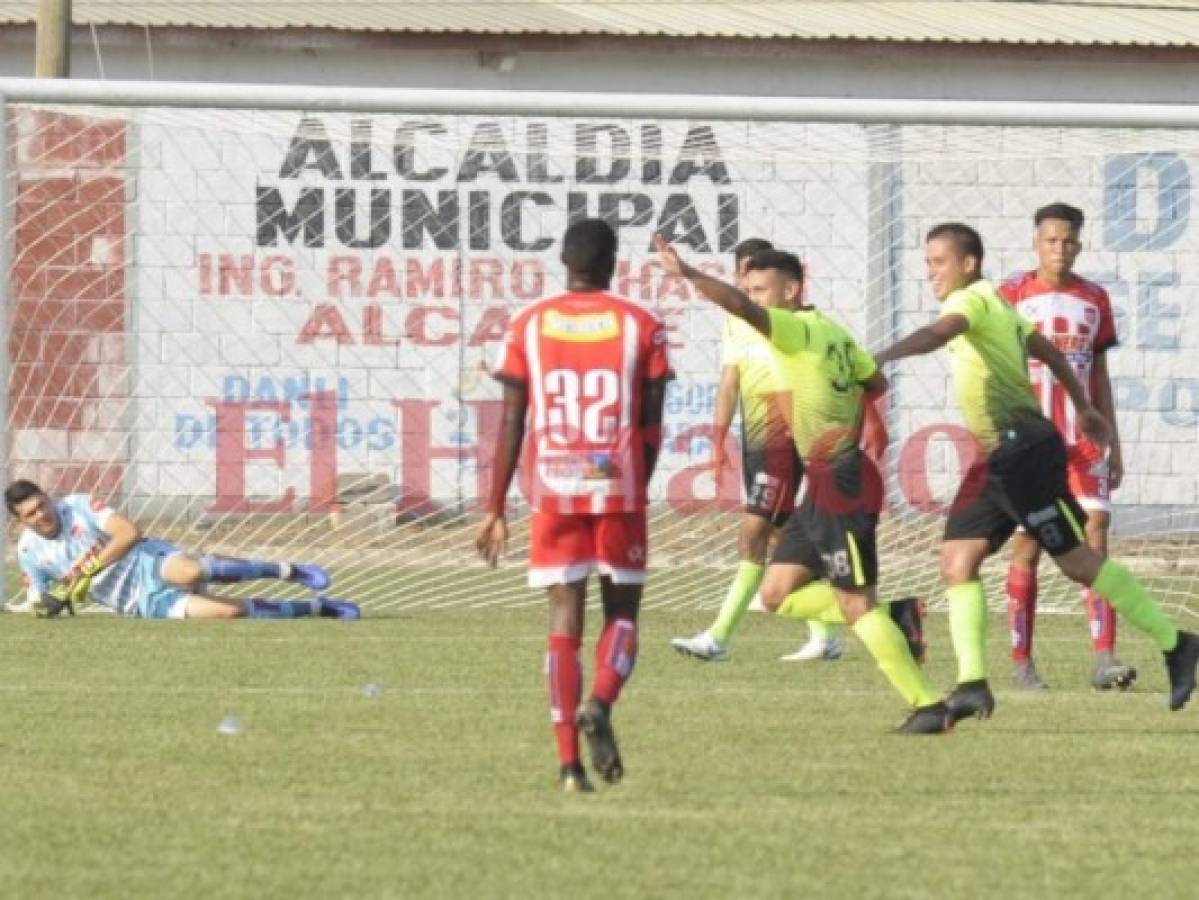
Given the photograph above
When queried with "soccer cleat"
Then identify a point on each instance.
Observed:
(53, 604)
(331, 608)
(312, 577)
(1110, 673)
(932, 719)
(1026, 677)
(908, 614)
(1180, 666)
(572, 779)
(817, 649)
(594, 721)
(971, 698)
(702, 646)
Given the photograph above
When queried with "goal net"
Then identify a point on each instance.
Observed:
(265, 332)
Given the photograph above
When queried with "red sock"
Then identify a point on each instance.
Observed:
(563, 678)
(1021, 610)
(615, 653)
(1103, 622)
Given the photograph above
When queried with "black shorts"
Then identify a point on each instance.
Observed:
(772, 473)
(832, 532)
(1023, 482)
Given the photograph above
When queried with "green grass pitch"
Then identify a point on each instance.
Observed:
(748, 779)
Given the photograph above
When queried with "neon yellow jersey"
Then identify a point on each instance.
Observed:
(822, 369)
(745, 347)
(990, 362)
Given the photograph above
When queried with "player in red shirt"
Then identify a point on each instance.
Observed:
(588, 371)
(1076, 316)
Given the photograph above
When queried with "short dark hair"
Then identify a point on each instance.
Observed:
(589, 250)
(749, 247)
(787, 263)
(966, 239)
(1061, 212)
(18, 492)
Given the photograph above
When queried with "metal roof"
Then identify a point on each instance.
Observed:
(1165, 23)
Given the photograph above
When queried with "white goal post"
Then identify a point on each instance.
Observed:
(258, 317)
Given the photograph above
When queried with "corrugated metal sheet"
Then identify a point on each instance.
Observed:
(1084, 22)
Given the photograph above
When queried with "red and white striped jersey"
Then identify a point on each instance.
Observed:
(585, 358)
(1077, 319)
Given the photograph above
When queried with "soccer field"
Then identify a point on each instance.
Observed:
(752, 778)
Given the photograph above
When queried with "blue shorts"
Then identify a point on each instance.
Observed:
(155, 598)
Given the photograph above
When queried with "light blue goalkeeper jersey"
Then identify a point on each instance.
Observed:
(81, 519)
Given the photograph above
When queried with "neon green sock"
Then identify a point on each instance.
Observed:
(968, 628)
(1120, 588)
(741, 592)
(815, 602)
(887, 645)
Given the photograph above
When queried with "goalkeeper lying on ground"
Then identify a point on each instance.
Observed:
(77, 550)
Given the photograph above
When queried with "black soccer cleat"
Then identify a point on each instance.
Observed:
(1180, 666)
(908, 614)
(51, 605)
(932, 719)
(971, 698)
(594, 720)
(572, 779)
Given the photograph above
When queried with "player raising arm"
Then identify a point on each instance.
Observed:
(588, 369)
(1020, 475)
(770, 466)
(77, 549)
(825, 374)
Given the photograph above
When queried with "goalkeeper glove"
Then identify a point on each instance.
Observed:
(80, 580)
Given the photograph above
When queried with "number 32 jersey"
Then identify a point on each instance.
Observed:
(585, 358)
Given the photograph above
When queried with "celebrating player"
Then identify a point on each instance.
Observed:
(78, 549)
(1020, 477)
(1076, 316)
(592, 369)
(825, 375)
(770, 466)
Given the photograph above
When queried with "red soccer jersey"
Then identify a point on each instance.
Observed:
(1077, 319)
(585, 358)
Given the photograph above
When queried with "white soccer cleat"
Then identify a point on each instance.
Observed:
(24, 607)
(756, 604)
(817, 649)
(702, 646)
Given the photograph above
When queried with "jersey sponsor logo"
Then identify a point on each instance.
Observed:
(1071, 343)
(588, 467)
(586, 328)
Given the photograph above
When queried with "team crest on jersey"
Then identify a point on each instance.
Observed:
(1091, 314)
(586, 328)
